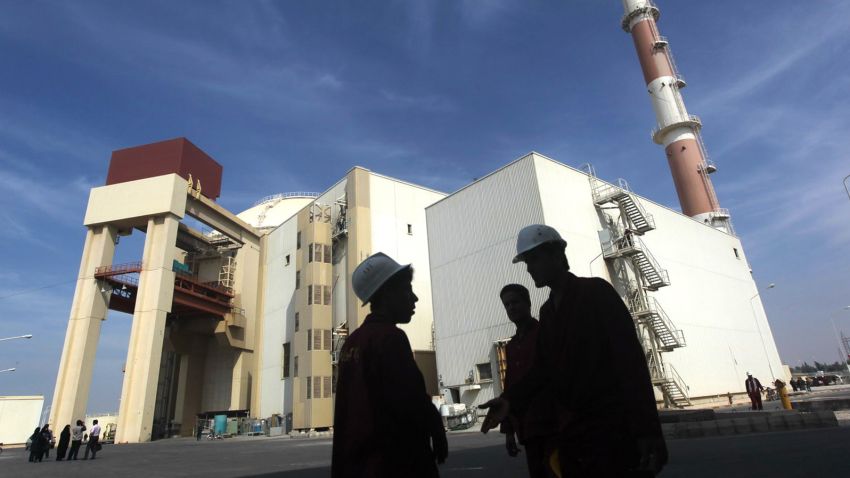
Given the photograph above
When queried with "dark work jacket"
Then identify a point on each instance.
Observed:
(592, 336)
(536, 421)
(753, 388)
(383, 416)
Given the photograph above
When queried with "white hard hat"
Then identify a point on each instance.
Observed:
(535, 235)
(372, 273)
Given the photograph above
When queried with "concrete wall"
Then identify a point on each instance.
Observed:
(19, 417)
(395, 205)
(277, 321)
(472, 237)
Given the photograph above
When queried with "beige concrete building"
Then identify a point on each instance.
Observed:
(232, 314)
(309, 307)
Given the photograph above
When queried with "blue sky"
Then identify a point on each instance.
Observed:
(289, 95)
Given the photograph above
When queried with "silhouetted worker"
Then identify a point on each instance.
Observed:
(608, 424)
(754, 389)
(384, 421)
(535, 426)
(76, 439)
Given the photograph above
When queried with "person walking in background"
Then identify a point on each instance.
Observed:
(76, 439)
(534, 427)
(36, 445)
(384, 421)
(93, 444)
(608, 423)
(49, 441)
(64, 440)
(754, 389)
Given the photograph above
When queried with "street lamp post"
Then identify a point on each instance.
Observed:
(8, 370)
(28, 336)
(758, 328)
(838, 337)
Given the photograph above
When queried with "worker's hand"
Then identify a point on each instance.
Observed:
(510, 444)
(653, 454)
(499, 409)
(441, 445)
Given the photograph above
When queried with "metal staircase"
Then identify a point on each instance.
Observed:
(641, 273)
(604, 193)
(672, 386)
(649, 313)
(630, 246)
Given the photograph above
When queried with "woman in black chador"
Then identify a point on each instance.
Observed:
(64, 440)
(36, 445)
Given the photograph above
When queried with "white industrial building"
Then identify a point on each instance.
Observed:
(687, 284)
(19, 416)
(361, 214)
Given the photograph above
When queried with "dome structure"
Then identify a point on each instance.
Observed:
(271, 211)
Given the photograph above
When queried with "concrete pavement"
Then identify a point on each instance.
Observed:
(821, 452)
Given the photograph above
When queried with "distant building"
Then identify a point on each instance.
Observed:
(688, 285)
(237, 315)
(19, 416)
(243, 314)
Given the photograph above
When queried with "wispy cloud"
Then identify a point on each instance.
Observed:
(432, 103)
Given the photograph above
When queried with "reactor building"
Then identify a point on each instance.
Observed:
(242, 314)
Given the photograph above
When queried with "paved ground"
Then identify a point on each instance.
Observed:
(821, 452)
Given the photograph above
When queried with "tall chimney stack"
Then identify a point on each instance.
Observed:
(677, 131)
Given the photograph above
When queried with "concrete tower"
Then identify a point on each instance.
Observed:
(677, 131)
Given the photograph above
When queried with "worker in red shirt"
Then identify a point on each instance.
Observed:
(384, 423)
(608, 424)
(534, 427)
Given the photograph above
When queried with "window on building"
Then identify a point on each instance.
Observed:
(287, 261)
(295, 366)
(297, 280)
(317, 249)
(317, 339)
(298, 240)
(737, 254)
(317, 294)
(284, 368)
(310, 253)
(297, 321)
(317, 387)
(309, 388)
(309, 295)
(327, 249)
(485, 371)
(326, 295)
(328, 339)
(326, 387)
(309, 339)
(410, 229)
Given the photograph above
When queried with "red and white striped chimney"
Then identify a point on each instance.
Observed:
(677, 130)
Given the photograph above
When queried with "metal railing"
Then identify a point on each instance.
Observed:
(280, 196)
(694, 121)
(647, 8)
(631, 243)
(641, 309)
(672, 376)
